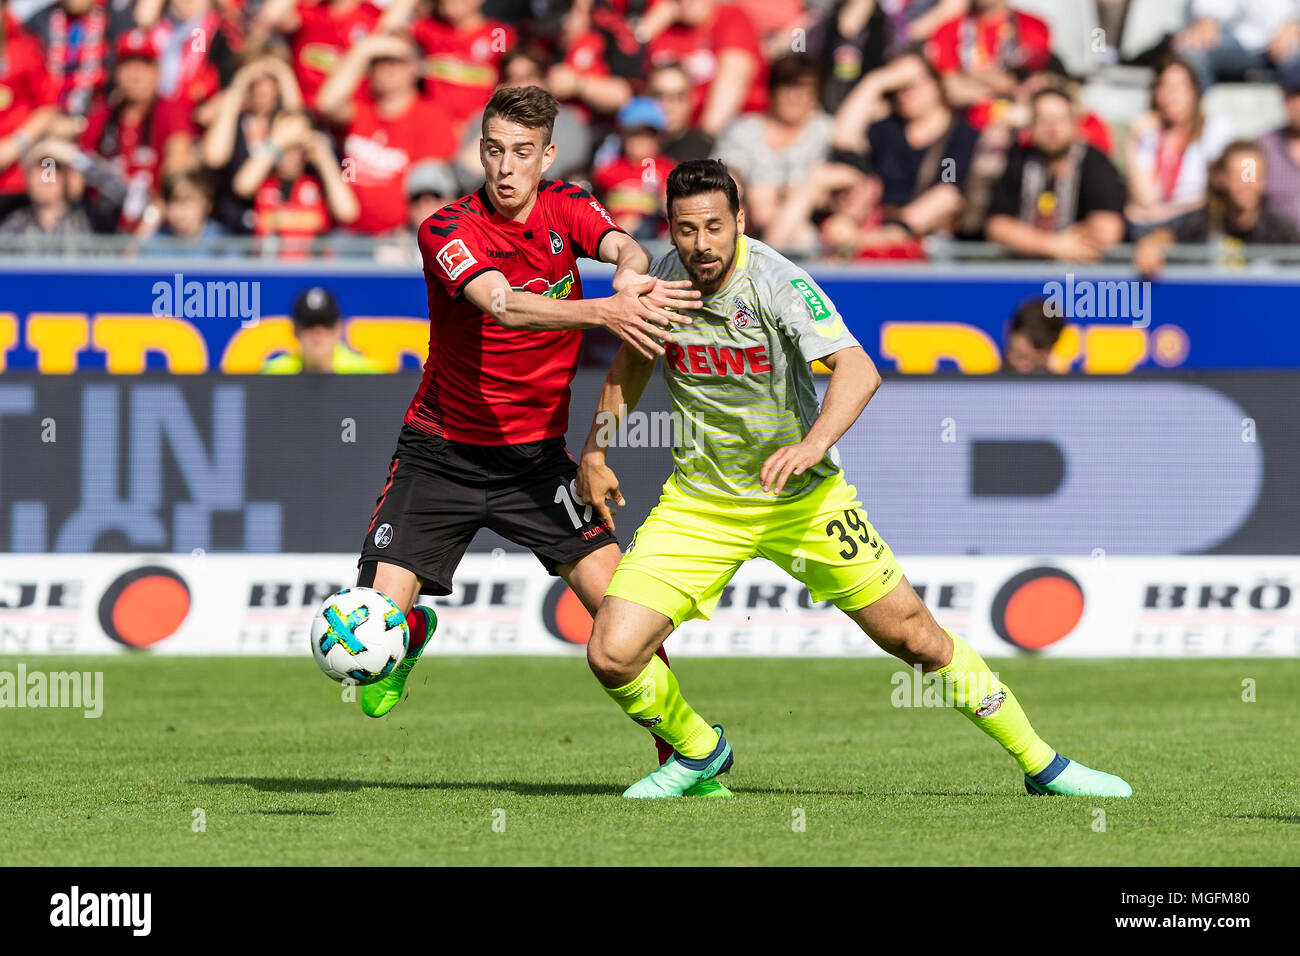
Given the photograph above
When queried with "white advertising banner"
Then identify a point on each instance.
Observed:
(1204, 606)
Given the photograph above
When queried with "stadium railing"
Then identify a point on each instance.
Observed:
(401, 250)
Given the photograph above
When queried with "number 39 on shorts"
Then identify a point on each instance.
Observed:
(849, 530)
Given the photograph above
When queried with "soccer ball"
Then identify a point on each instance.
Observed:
(359, 635)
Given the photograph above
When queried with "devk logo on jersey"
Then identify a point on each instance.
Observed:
(815, 303)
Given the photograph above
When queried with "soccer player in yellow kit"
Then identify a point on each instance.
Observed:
(759, 476)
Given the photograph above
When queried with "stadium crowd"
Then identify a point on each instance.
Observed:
(858, 129)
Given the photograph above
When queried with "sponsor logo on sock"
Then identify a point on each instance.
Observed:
(991, 704)
(649, 721)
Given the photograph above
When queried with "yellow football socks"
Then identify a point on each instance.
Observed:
(992, 707)
(655, 701)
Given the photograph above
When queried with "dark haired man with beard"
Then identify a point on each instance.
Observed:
(759, 476)
(1059, 198)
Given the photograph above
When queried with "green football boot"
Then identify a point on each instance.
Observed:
(710, 789)
(680, 775)
(1069, 778)
(382, 696)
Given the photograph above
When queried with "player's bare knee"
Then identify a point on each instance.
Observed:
(602, 662)
(915, 638)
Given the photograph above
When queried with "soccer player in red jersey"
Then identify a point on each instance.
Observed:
(483, 440)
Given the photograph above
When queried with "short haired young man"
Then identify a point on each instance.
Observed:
(482, 444)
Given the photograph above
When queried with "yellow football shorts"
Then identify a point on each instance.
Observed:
(684, 555)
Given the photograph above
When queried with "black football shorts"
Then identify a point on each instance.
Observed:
(440, 493)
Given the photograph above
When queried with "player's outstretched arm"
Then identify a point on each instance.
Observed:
(624, 386)
(854, 379)
(631, 274)
(631, 315)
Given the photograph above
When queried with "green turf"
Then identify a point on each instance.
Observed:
(287, 773)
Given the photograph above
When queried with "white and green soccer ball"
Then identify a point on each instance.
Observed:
(359, 635)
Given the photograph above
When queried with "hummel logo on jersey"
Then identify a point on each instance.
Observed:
(500, 254)
(559, 289)
(455, 258)
(557, 244)
(710, 360)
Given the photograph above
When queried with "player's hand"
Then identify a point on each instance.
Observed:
(792, 460)
(637, 320)
(597, 482)
(680, 294)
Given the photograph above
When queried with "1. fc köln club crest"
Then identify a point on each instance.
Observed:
(744, 315)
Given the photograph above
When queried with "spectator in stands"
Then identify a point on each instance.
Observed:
(1233, 215)
(1031, 336)
(144, 136)
(602, 58)
(898, 125)
(462, 53)
(318, 327)
(915, 21)
(1003, 123)
(261, 89)
(771, 152)
(775, 22)
(670, 86)
(1169, 150)
(1060, 198)
(194, 47)
(1281, 150)
(389, 128)
(1226, 38)
(28, 94)
(526, 66)
(719, 47)
(631, 185)
(184, 220)
(296, 185)
(852, 39)
(50, 210)
(322, 32)
(75, 34)
(430, 185)
(980, 53)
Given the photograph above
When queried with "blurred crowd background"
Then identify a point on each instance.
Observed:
(1074, 130)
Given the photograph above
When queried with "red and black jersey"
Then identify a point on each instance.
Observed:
(484, 384)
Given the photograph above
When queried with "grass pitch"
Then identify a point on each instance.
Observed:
(522, 760)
